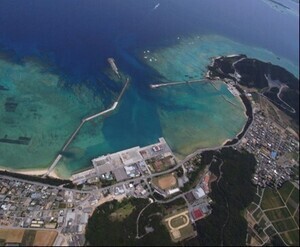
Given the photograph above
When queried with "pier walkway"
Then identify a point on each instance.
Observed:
(83, 121)
(165, 84)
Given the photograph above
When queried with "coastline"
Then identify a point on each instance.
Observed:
(32, 172)
(249, 114)
(245, 101)
(248, 111)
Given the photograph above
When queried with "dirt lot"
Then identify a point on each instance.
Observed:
(166, 182)
(44, 238)
(12, 235)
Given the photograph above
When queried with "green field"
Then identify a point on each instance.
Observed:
(296, 217)
(257, 214)
(271, 199)
(295, 195)
(28, 238)
(276, 214)
(187, 231)
(178, 221)
(285, 225)
(292, 205)
(291, 237)
(263, 222)
(285, 190)
(123, 212)
(256, 199)
(279, 207)
(270, 231)
(252, 207)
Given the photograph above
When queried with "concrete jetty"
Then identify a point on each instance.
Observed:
(165, 84)
(102, 113)
(83, 121)
(113, 66)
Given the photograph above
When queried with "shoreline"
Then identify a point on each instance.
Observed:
(32, 172)
(249, 114)
(248, 111)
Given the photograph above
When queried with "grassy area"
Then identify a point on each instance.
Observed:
(178, 221)
(2, 242)
(102, 230)
(270, 231)
(187, 231)
(285, 190)
(291, 237)
(276, 214)
(257, 214)
(263, 222)
(279, 207)
(256, 199)
(28, 238)
(292, 205)
(271, 199)
(252, 207)
(295, 195)
(123, 212)
(296, 216)
(285, 225)
(62, 205)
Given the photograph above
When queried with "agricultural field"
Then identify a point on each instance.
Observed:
(293, 201)
(285, 225)
(291, 237)
(282, 210)
(271, 199)
(44, 238)
(12, 235)
(286, 190)
(258, 213)
(278, 213)
(28, 237)
(252, 208)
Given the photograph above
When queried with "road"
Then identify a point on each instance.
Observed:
(138, 218)
(42, 184)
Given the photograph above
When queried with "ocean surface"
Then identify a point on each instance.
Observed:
(54, 72)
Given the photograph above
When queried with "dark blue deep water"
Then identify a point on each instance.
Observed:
(75, 38)
(78, 36)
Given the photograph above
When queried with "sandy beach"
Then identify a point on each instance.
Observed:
(32, 172)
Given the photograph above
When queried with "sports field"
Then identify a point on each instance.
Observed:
(178, 221)
(165, 182)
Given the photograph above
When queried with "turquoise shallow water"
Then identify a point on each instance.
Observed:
(188, 116)
(47, 112)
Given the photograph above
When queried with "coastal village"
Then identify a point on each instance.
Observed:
(151, 172)
(136, 172)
